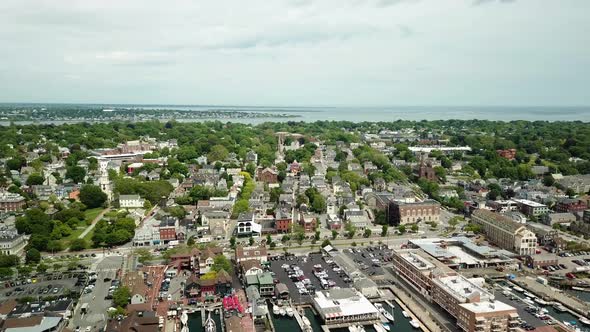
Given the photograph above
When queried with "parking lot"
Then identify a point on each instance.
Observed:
(63, 284)
(370, 259)
(520, 306)
(282, 266)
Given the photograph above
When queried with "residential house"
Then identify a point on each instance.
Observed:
(131, 201)
(258, 253)
(308, 221)
(268, 175)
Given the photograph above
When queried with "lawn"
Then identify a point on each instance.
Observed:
(90, 214)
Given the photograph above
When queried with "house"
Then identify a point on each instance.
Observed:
(12, 243)
(357, 218)
(268, 175)
(252, 157)
(258, 253)
(208, 286)
(283, 220)
(246, 226)
(134, 280)
(263, 281)
(10, 202)
(137, 321)
(558, 218)
(250, 267)
(308, 221)
(131, 201)
(570, 205)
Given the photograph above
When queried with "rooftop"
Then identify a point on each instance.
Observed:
(343, 302)
(487, 307)
(462, 288)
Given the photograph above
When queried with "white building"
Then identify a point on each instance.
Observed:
(344, 305)
(131, 201)
(12, 243)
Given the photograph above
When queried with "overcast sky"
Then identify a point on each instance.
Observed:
(296, 52)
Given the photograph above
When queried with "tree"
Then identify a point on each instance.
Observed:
(232, 242)
(268, 239)
(76, 173)
(414, 228)
(401, 229)
(144, 255)
(35, 179)
(251, 240)
(121, 296)
(453, 222)
(42, 268)
(384, 230)
(217, 152)
(367, 233)
(33, 256)
(334, 234)
(78, 245)
(92, 196)
(325, 243)
(220, 262)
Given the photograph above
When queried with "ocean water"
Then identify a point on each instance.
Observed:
(371, 114)
(416, 113)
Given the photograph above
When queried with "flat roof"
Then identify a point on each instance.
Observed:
(487, 307)
(343, 302)
(462, 288)
(529, 203)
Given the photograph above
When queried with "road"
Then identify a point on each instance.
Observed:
(91, 227)
(97, 317)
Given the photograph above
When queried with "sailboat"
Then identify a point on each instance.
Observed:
(184, 318)
(275, 309)
(289, 311)
(210, 324)
(406, 314)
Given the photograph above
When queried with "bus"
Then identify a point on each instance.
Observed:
(84, 308)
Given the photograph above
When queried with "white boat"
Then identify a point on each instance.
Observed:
(384, 312)
(378, 327)
(567, 324)
(306, 321)
(406, 314)
(275, 309)
(356, 328)
(386, 326)
(584, 320)
(184, 318)
(184, 329)
(559, 307)
(282, 311)
(415, 324)
(518, 289)
(290, 312)
(541, 301)
(210, 324)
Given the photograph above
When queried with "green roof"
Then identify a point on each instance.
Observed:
(251, 280)
(265, 278)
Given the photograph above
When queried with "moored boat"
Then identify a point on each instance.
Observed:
(415, 324)
(275, 309)
(282, 311)
(378, 327)
(289, 311)
(559, 307)
(406, 314)
(386, 326)
(584, 320)
(210, 324)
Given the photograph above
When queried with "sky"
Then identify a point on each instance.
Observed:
(296, 52)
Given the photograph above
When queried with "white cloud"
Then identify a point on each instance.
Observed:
(332, 52)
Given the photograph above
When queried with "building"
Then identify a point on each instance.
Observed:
(37, 323)
(10, 202)
(344, 305)
(12, 243)
(570, 205)
(487, 316)
(263, 281)
(258, 253)
(283, 221)
(131, 201)
(246, 226)
(531, 208)
(417, 268)
(558, 218)
(536, 261)
(400, 213)
(357, 218)
(308, 221)
(507, 153)
(426, 171)
(506, 233)
(138, 321)
(502, 206)
(268, 175)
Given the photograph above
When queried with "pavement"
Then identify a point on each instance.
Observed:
(94, 221)
(97, 317)
(41, 289)
(306, 264)
(363, 255)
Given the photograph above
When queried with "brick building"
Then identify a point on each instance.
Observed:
(571, 205)
(399, 213)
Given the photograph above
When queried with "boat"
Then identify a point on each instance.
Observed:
(386, 326)
(210, 324)
(584, 320)
(306, 321)
(378, 327)
(290, 312)
(406, 314)
(356, 328)
(415, 324)
(559, 307)
(282, 311)
(184, 329)
(384, 312)
(275, 309)
(518, 289)
(541, 301)
(184, 318)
